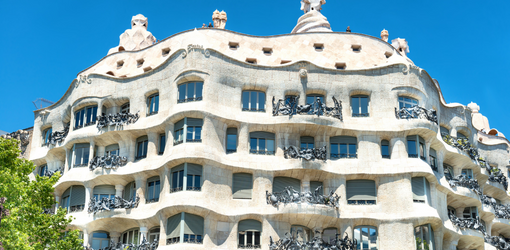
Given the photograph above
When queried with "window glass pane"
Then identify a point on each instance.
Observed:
(145, 144)
(198, 92)
(422, 150)
(78, 156)
(191, 90)
(198, 133)
(364, 105)
(151, 190)
(262, 144)
(162, 142)
(85, 155)
(270, 145)
(373, 239)
(343, 149)
(249, 237)
(334, 148)
(262, 101)
(231, 142)
(175, 182)
(355, 105)
(253, 143)
(246, 100)
(182, 91)
(352, 148)
(257, 238)
(253, 100)
(364, 237)
(411, 147)
(385, 150)
(197, 181)
(140, 149)
(189, 181)
(426, 237)
(357, 236)
(94, 114)
(189, 135)
(156, 103)
(310, 99)
(241, 238)
(304, 146)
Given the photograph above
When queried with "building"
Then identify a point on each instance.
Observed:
(211, 139)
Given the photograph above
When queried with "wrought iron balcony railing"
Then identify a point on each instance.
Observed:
(290, 107)
(261, 152)
(463, 181)
(416, 112)
(434, 167)
(80, 165)
(501, 211)
(249, 246)
(108, 204)
(193, 140)
(177, 189)
(50, 173)
(174, 240)
(501, 243)
(191, 99)
(361, 202)
(254, 110)
(178, 142)
(230, 151)
(307, 153)
(108, 162)
(145, 245)
(289, 195)
(117, 120)
(360, 114)
(58, 136)
(197, 189)
(342, 156)
(471, 223)
(497, 176)
(291, 242)
(139, 157)
(76, 209)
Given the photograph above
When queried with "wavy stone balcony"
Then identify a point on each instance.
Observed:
(291, 242)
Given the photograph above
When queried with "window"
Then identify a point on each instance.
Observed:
(421, 190)
(448, 171)
(361, 192)
(307, 142)
(356, 47)
(153, 189)
(416, 147)
(280, 183)
(267, 51)
(249, 234)
(81, 154)
(190, 92)
(262, 143)
(451, 211)
(154, 235)
(85, 117)
(359, 104)
(329, 235)
(188, 173)
(461, 135)
(242, 185)
(100, 239)
(165, 52)
(73, 199)
(312, 98)
(141, 147)
(233, 45)
(301, 233)
(104, 191)
(424, 237)
(162, 143)
(153, 104)
(124, 108)
(316, 184)
(43, 169)
(366, 236)
(46, 136)
(112, 150)
(231, 140)
(193, 228)
(131, 236)
(191, 127)
(468, 173)
(319, 47)
(343, 147)
(340, 65)
(444, 130)
(130, 191)
(254, 101)
(433, 159)
(385, 149)
(470, 213)
(406, 102)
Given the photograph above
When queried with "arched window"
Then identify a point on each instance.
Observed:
(424, 237)
(46, 136)
(142, 143)
(416, 147)
(188, 174)
(162, 143)
(81, 153)
(193, 228)
(444, 131)
(280, 183)
(231, 140)
(448, 171)
(153, 104)
(73, 199)
(361, 192)
(329, 234)
(154, 234)
(190, 92)
(366, 237)
(131, 236)
(262, 143)
(343, 147)
(153, 189)
(249, 234)
(359, 104)
(254, 101)
(316, 184)
(307, 142)
(421, 190)
(191, 128)
(129, 191)
(124, 108)
(112, 149)
(470, 213)
(100, 239)
(433, 159)
(468, 173)
(242, 185)
(301, 233)
(104, 191)
(406, 102)
(311, 98)
(385, 149)
(451, 211)
(43, 169)
(85, 117)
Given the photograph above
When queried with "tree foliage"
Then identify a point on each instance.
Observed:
(27, 227)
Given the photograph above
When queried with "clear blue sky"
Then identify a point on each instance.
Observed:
(44, 44)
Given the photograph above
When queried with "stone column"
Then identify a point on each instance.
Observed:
(57, 199)
(460, 212)
(115, 236)
(152, 148)
(85, 238)
(88, 195)
(132, 149)
(164, 180)
(91, 150)
(169, 129)
(162, 230)
(101, 150)
(66, 161)
(143, 234)
(305, 185)
(243, 139)
(440, 162)
(89, 236)
(118, 190)
(140, 188)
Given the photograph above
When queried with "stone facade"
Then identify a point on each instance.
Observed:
(216, 59)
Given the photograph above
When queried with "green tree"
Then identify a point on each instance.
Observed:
(27, 227)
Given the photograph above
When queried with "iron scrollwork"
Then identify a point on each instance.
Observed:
(107, 162)
(58, 136)
(500, 211)
(289, 195)
(416, 112)
(145, 245)
(463, 181)
(290, 107)
(291, 242)
(50, 173)
(117, 120)
(307, 153)
(108, 204)
(471, 223)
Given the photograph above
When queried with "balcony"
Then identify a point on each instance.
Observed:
(315, 243)
(117, 120)
(107, 162)
(308, 154)
(261, 152)
(500, 211)
(289, 195)
(291, 107)
(254, 110)
(50, 173)
(192, 99)
(76, 209)
(471, 223)
(416, 112)
(463, 181)
(145, 245)
(108, 204)
(342, 156)
(58, 136)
